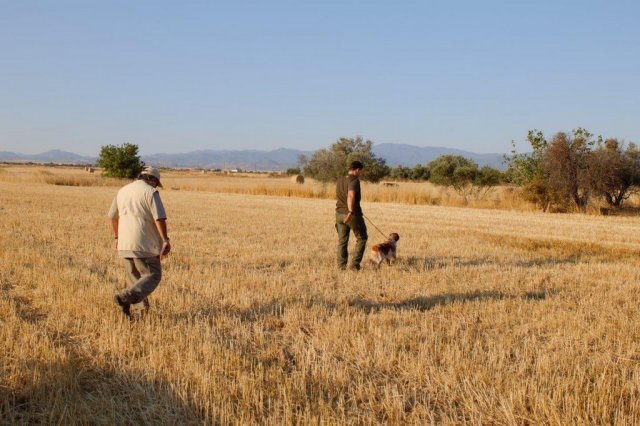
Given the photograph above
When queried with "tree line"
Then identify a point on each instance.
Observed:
(564, 173)
(571, 169)
(458, 172)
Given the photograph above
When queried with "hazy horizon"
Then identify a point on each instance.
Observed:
(175, 78)
(96, 154)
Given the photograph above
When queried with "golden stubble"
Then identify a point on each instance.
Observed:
(415, 193)
(488, 317)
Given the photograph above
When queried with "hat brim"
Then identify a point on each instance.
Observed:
(150, 175)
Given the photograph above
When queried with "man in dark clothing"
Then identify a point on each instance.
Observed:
(349, 217)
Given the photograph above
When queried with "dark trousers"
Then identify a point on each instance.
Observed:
(359, 228)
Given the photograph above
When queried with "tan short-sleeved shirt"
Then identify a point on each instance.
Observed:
(137, 206)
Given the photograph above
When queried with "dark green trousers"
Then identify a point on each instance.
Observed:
(359, 228)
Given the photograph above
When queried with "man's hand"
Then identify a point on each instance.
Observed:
(166, 248)
(347, 218)
(161, 226)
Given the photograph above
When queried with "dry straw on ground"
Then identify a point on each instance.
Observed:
(506, 198)
(489, 317)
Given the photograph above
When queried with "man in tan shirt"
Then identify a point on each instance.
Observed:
(138, 221)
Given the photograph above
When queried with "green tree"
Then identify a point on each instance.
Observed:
(420, 172)
(488, 176)
(120, 161)
(455, 171)
(328, 164)
(524, 168)
(400, 172)
(561, 172)
(614, 171)
(486, 179)
(528, 171)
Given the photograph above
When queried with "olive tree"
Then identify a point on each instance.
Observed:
(328, 164)
(120, 161)
(615, 171)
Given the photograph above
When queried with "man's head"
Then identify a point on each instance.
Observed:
(355, 168)
(151, 175)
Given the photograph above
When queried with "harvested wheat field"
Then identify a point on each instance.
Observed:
(488, 317)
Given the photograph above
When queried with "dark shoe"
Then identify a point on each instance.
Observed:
(354, 267)
(123, 304)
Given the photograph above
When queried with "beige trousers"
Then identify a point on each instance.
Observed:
(143, 276)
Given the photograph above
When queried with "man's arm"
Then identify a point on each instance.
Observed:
(114, 228)
(113, 219)
(157, 210)
(161, 225)
(351, 199)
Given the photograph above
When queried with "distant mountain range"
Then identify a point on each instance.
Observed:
(277, 159)
(410, 155)
(56, 156)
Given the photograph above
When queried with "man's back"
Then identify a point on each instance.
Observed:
(139, 206)
(135, 199)
(343, 186)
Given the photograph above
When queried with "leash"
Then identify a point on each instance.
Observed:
(374, 225)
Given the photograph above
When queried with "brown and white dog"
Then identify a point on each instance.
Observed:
(385, 251)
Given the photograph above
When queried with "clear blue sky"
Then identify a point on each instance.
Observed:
(182, 76)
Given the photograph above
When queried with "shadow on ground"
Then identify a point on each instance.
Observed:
(70, 390)
(69, 393)
(274, 308)
(425, 303)
(417, 263)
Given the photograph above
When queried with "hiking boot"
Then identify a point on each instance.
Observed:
(354, 267)
(123, 304)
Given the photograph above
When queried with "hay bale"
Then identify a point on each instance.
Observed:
(297, 179)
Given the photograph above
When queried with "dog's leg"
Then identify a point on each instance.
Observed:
(377, 260)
